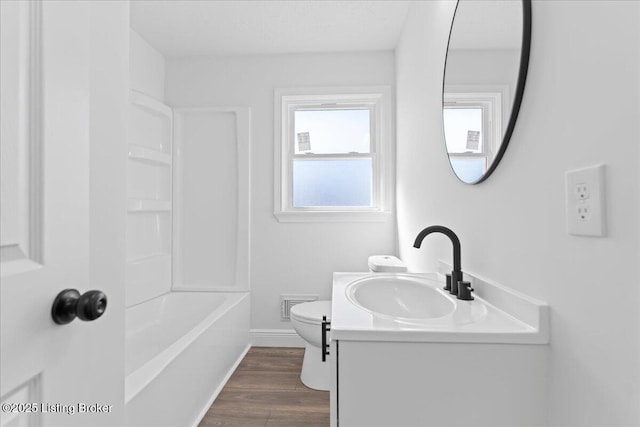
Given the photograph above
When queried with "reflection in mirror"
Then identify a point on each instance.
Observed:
(485, 71)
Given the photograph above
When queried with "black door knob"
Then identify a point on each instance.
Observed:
(69, 304)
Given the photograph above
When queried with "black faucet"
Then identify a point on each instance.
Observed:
(455, 284)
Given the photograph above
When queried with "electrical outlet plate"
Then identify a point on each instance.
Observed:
(585, 201)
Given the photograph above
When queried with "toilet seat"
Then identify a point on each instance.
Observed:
(312, 312)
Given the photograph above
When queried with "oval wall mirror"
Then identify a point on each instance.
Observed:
(484, 77)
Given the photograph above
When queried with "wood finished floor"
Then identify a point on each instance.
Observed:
(265, 390)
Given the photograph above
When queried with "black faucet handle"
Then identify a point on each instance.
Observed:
(447, 287)
(464, 290)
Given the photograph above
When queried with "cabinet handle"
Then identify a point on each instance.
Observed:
(326, 327)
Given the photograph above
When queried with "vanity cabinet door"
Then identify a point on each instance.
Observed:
(377, 385)
(423, 383)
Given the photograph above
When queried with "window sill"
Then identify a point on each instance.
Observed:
(333, 216)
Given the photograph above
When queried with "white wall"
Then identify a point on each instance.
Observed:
(580, 108)
(285, 257)
(147, 70)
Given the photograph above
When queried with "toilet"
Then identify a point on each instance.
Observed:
(307, 321)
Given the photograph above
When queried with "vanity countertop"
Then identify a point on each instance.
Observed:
(510, 317)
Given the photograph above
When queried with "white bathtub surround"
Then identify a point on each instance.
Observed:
(212, 198)
(149, 177)
(188, 230)
(454, 363)
(181, 348)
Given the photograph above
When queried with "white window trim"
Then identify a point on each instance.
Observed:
(379, 98)
(488, 143)
(497, 96)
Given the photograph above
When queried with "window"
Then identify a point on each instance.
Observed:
(472, 128)
(332, 154)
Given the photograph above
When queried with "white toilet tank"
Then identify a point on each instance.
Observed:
(386, 264)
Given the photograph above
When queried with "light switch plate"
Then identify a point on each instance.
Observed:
(585, 201)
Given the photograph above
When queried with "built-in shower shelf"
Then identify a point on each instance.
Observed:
(152, 105)
(146, 205)
(148, 155)
(149, 204)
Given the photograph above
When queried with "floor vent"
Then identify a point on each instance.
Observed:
(288, 301)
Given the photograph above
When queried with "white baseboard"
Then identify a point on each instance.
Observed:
(275, 338)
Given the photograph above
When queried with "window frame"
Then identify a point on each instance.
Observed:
(491, 99)
(488, 140)
(287, 102)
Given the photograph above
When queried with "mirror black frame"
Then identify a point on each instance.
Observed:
(517, 100)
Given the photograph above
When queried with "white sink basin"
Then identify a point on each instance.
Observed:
(400, 297)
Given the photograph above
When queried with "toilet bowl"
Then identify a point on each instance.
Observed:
(307, 321)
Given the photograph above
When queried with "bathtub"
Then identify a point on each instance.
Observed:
(181, 348)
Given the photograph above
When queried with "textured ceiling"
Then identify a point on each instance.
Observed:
(218, 27)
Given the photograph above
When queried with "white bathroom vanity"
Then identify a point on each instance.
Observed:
(416, 356)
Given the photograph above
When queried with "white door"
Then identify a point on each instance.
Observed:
(64, 82)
